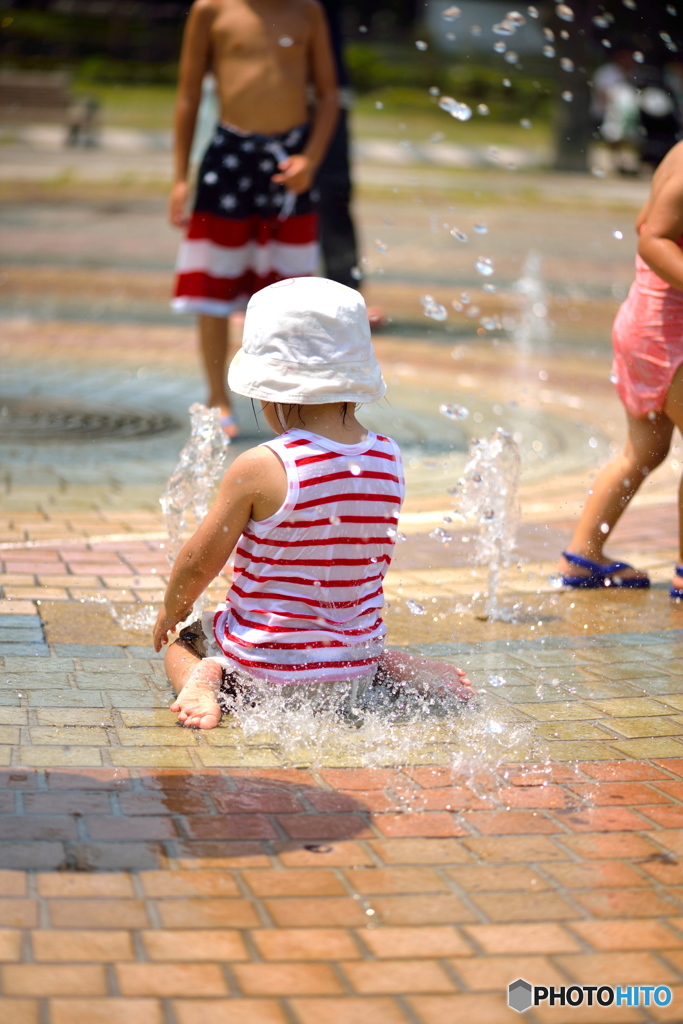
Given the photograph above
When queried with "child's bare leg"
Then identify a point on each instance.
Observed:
(614, 486)
(214, 347)
(400, 667)
(673, 407)
(196, 681)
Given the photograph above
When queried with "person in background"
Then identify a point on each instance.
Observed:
(338, 240)
(254, 219)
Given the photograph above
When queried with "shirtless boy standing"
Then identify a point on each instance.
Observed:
(254, 220)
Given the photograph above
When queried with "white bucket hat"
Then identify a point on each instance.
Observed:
(307, 341)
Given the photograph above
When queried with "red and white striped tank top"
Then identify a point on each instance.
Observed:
(307, 595)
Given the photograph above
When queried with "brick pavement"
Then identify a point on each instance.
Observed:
(157, 876)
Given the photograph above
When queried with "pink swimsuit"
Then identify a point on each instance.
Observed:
(648, 341)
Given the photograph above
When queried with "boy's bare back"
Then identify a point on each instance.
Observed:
(263, 54)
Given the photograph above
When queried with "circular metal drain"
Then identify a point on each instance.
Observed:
(28, 420)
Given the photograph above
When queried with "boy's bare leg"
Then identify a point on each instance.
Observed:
(408, 668)
(196, 681)
(214, 347)
(614, 486)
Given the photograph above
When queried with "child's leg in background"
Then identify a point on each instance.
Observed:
(614, 486)
(196, 682)
(214, 346)
(400, 667)
(673, 407)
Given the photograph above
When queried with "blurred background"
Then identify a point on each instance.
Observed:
(499, 157)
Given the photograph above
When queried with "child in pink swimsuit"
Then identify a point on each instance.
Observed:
(648, 356)
(311, 515)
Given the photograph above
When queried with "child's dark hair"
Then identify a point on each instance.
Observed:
(285, 411)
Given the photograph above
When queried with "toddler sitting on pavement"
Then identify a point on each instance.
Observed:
(312, 517)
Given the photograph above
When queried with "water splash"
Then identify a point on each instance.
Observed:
(531, 330)
(488, 497)
(378, 725)
(191, 484)
(188, 495)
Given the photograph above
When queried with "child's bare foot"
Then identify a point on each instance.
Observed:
(229, 423)
(197, 703)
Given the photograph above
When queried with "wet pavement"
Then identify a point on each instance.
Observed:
(154, 875)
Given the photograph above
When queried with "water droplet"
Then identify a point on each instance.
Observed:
(604, 527)
(515, 18)
(354, 469)
(670, 9)
(286, 41)
(335, 520)
(600, 21)
(473, 312)
(421, 45)
(464, 298)
(630, 4)
(460, 235)
(606, 43)
(356, 273)
(369, 911)
(451, 13)
(555, 580)
(454, 412)
(363, 28)
(532, 12)
(564, 12)
(567, 96)
(414, 608)
(496, 681)
(489, 287)
(490, 323)
(503, 28)
(613, 378)
(462, 112)
(381, 246)
(475, 30)
(549, 34)
(481, 228)
(484, 266)
(458, 309)
(441, 535)
(435, 91)
(639, 57)
(400, 538)
(379, 105)
(566, 64)
(433, 309)
(618, 234)
(483, 110)
(507, 83)
(548, 50)
(500, 46)
(525, 122)
(495, 727)
(592, 442)
(652, 415)
(511, 57)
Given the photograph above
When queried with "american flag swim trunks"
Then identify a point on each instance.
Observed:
(245, 232)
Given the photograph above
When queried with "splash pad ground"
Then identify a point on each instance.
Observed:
(157, 876)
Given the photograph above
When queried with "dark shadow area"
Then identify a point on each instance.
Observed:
(139, 819)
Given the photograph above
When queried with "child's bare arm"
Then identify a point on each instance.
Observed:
(254, 485)
(195, 56)
(298, 171)
(661, 231)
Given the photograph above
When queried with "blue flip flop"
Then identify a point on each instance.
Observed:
(602, 575)
(677, 592)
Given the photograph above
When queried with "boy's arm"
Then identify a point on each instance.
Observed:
(298, 171)
(194, 63)
(247, 482)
